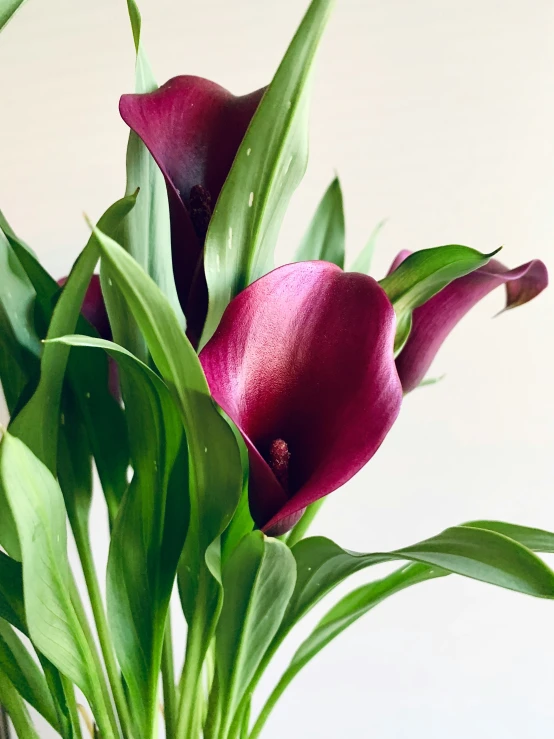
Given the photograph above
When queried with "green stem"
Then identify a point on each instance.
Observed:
(301, 528)
(194, 658)
(71, 703)
(271, 701)
(100, 700)
(17, 710)
(213, 715)
(4, 724)
(168, 681)
(85, 554)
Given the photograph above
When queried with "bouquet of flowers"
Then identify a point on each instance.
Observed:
(220, 399)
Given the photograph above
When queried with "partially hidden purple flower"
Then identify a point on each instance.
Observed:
(193, 129)
(435, 319)
(94, 310)
(303, 363)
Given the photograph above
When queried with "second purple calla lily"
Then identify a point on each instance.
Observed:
(193, 129)
(302, 362)
(435, 319)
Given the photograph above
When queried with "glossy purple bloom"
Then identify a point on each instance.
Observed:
(193, 129)
(433, 321)
(302, 362)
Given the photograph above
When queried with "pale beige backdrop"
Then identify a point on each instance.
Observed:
(440, 116)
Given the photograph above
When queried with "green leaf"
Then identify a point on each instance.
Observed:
(325, 238)
(356, 604)
(537, 540)
(38, 422)
(268, 167)
(149, 532)
(215, 462)
(87, 398)
(422, 275)
(477, 553)
(24, 674)
(363, 261)
(7, 10)
(146, 231)
(19, 343)
(258, 581)
(12, 608)
(348, 610)
(37, 505)
(16, 708)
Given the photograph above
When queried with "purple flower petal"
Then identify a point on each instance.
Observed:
(94, 308)
(302, 361)
(193, 129)
(433, 321)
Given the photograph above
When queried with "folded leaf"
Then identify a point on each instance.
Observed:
(146, 232)
(258, 581)
(19, 343)
(324, 238)
(16, 708)
(37, 424)
(215, 463)
(24, 674)
(12, 608)
(268, 167)
(149, 531)
(38, 508)
(87, 398)
(435, 319)
(423, 274)
(348, 610)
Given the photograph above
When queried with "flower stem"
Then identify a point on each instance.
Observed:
(301, 528)
(87, 563)
(187, 724)
(4, 724)
(168, 681)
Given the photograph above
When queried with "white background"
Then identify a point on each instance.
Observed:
(439, 115)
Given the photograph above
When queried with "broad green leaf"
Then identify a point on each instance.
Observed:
(87, 396)
(19, 343)
(258, 581)
(473, 552)
(363, 261)
(422, 275)
(146, 231)
(38, 508)
(215, 476)
(356, 604)
(24, 673)
(325, 238)
(7, 10)
(537, 540)
(12, 608)
(38, 422)
(16, 708)
(149, 531)
(348, 610)
(268, 167)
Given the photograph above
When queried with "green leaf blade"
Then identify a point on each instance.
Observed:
(325, 237)
(258, 581)
(269, 165)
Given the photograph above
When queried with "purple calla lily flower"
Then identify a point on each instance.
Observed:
(303, 363)
(433, 321)
(193, 129)
(94, 308)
